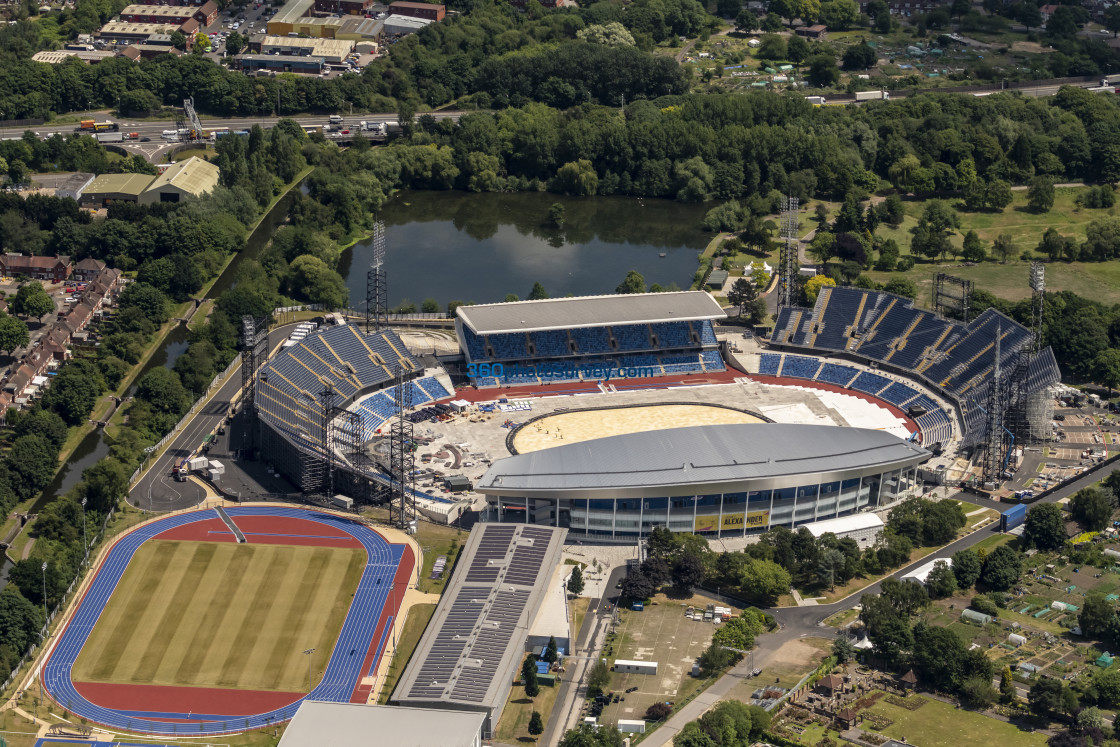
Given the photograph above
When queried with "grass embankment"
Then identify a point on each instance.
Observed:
(414, 625)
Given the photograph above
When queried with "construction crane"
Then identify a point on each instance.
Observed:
(192, 115)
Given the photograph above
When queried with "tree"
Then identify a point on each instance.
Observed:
(830, 566)
(746, 21)
(1049, 696)
(162, 389)
(977, 692)
(966, 567)
(1004, 247)
(31, 464)
(713, 659)
(839, 15)
(688, 571)
(1040, 194)
(235, 43)
(742, 292)
(576, 178)
(902, 286)
(598, 678)
(1112, 19)
(823, 247)
(772, 47)
(104, 485)
(941, 582)
(638, 585)
(1091, 508)
(1001, 568)
(1045, 528)
(575, 581)
(797, 50)
(844, 650)
(814, 285)
(612, 34)
(973, 250)
(552, 651)
(1107, 683)
(150, 301)
(633, 283)
(537, 292)
(739, 632)
(658, 711)
(13, 333)
(430, 306)
(859, 57)
(823, 71)
(528, 666)
(1007, 692)
(178, 40)
(532, 687)
(536, 724)
(32, 300)
(1097, 617)
(935, 226)
(764, 580)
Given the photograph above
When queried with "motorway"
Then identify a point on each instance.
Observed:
(153, 129)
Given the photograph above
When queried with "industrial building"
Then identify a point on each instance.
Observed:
(330, 50)
(109, 188)
(715, 480)
(472, 649)
(57, 56)
(359, 725)
(128, 33)
(400, 25)
(170, 14)
(74, 185)
(345, 7)
(277, 64)
(426, 11)
(193, 177)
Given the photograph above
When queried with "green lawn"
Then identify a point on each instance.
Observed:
(414, 624)
(938, 724)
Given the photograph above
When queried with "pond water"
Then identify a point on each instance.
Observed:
(479, 247)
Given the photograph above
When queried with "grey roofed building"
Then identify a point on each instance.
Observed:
(472, 649)
(590, 311)
(703, 458)
(318, 724)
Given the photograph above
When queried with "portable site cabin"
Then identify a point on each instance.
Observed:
(635, 667)
(628, 726)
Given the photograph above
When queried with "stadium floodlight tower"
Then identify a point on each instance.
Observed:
(402, 457)
(254, 352)
(786, 284)
(377, 290)
(1038, 299)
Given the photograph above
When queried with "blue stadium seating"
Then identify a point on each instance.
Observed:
(924, 401)
(843, 305)
(707, 333)
(681, 364)
(550, 344)
(870, 383)
(801, 367)
(713, 361)
(591, 340)
(935, 426)
(640, 361)
(769, 364)
(897, 394)
(475, 345)
(672, 334)
(508, 346)
(632, 336)
(836, 374)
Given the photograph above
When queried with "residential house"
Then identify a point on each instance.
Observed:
(51, 269)
(87, 269)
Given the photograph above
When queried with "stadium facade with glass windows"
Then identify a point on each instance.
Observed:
(714, 480)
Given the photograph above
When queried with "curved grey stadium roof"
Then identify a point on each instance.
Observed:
(697, 456)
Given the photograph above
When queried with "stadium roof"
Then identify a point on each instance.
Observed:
(471, 650)
(355, 724)
(590, 311)
(695, 456)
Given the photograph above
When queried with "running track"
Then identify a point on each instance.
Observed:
(355, 655)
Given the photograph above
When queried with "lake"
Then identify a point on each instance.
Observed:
(463, 246)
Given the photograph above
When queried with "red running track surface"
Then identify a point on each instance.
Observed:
(168, 699)
(546, 390)
(264, 530)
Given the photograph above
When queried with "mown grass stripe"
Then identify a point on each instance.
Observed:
(272, 659)
(257, 612)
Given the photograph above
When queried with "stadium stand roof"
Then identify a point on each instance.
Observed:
(698, 455)
(590, 311)
(358, 725)
(472, 649)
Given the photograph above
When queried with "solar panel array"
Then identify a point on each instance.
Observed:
(478, 631)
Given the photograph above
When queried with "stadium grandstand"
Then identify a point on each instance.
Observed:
(361, 371)
(955, 359)
(565, 339)
(471, 651)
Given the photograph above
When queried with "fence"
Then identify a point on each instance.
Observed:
(357, 313)
(31, 652)
(199, 404)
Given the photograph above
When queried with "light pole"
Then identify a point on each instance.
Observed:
(85, 539)
(43, 632)
(309, 652)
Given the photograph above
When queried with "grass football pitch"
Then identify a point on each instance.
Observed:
(212, 614)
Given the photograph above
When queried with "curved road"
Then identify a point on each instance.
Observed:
(157, 490)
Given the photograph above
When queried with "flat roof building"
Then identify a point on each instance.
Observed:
(418, 10)
(193, 177)
(331, 50)
(134, 32)
(717, 480)
(400, 25)
(863, 528)
(54, 57)
(473, 647)
(317, 724)
(74, 185)
(108, 188)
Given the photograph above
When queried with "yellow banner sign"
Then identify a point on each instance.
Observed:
(712, 522)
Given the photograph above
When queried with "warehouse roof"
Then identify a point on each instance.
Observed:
(471, 650)
(56, 56)
(193, 175)
(173, 11)
(354, 724)
(136, 29)
(851, 523)
(590, 311)
(319, 47)
(696, 455)
(126, 184)
(292, 11)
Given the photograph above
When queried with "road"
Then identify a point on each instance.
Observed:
(153, 129)
(157, 490)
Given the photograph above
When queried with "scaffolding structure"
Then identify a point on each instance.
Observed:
(377, 289)
(991, 464)
(254, 352)
(952, 294)
(402, 458)
(192, 116)
(787, 286)
(313, 467)
(1029, 412)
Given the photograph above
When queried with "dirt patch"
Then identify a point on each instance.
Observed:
(800, 653)
(1030, 47)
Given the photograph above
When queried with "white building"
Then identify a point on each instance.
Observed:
(863, 528)
(635, 667)
(317, 724)
(921, 573)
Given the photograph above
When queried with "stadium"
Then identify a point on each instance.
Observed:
(219, 621)
(641, 410)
